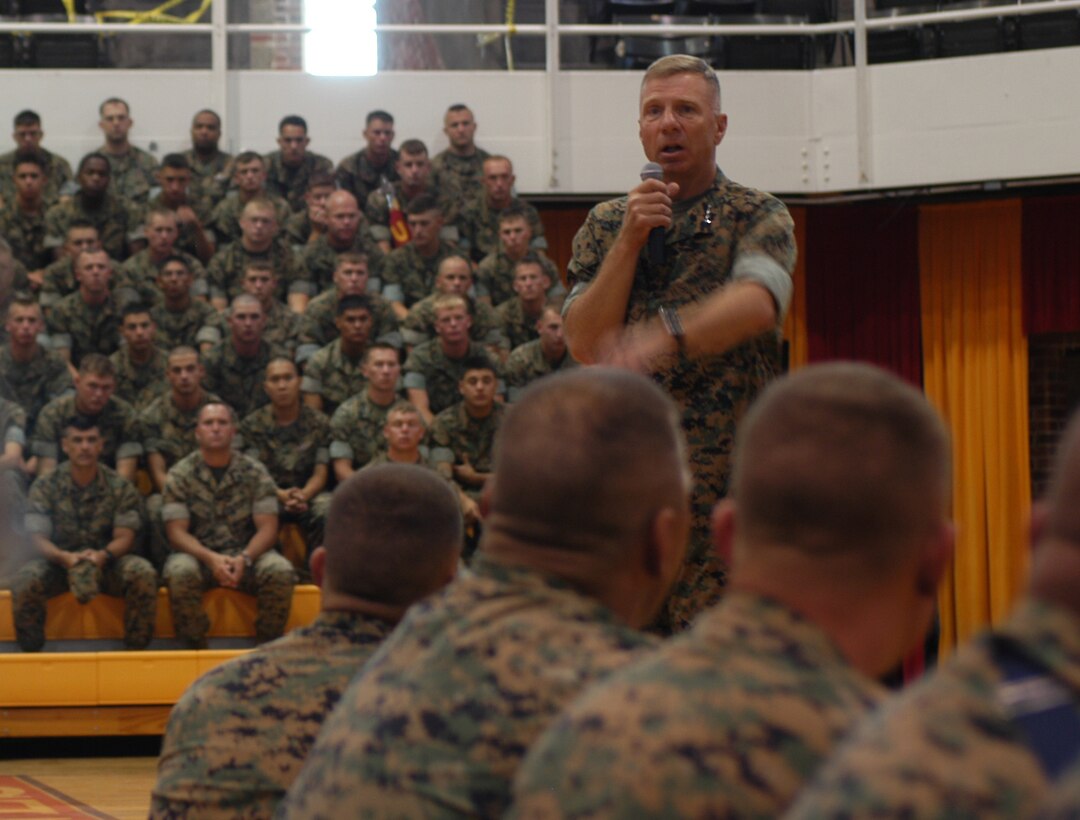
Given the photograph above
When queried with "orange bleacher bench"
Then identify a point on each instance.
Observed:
(115, 693)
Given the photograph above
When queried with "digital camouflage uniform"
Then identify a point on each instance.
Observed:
(140, 384)
(239, 735)
(377, 209)
(76, 518)
(57, 176)
(947, 746)
(333, 375)
(226, 270)
(297, 230)
(237, 379)
(527, 363)
(35, 383)
(116, 422)
(518, 328)
(359, 177)
(220, 517)
(12, 424)
(443, 713)
(82, 328)
(730, 720)
(136, 278)
(197, 323)
(1064, 800)
(118, 221)
(318, 328)
(419, 326)
(209, 178)
(478, 224)
(133, 173)
(456, 438)
(429, 368)
(408, 277)
(59, 281)
(495, 277)
(320, 258)
(462, 175)
(25, 232)
(356, 429)
(292, 183)
(727, 234)
(225, 218)
(282, 329)
(291, 453)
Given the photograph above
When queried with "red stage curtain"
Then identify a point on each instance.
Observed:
(1050, 258)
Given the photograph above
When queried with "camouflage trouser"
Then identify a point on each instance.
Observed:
(313, 522)
(130, 577)
(157, 547)
(270, 580)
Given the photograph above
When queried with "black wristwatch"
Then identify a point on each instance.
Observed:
(673, 324)
(247, 560)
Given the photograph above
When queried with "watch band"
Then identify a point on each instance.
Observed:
(673, 324)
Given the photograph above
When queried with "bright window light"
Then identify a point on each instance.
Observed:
(342, 41)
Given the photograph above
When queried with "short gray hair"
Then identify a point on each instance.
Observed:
(684, 64)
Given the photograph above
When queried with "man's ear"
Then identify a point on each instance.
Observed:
(936, 558)
(318, 566)
(723, 522)
(666, 548)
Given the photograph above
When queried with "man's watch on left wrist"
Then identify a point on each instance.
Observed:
(672, 322)
(246, 559)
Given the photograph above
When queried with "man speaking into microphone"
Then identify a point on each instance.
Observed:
(699, 305)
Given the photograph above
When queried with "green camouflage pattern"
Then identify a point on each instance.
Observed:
(527, 364)
(225, 218)
(209, 178)
(356, 429)
(289, 452)
(408, 277)
(12, 423)
(292, 183)
(35, 383)
(239, 735)
(478, 224)
(333, 375)
(319, 260)
(456, 438)
(726, 223)
(463, 176)
(57, 176)
(197, 323)
(947, 746)
(140, 384)
(116, 423)
(729, 720)
(429, 368)
(239, 380)
(133, 173)
(76, 518)
(377, 209)
(118, 221)
(282, 329)
(297, 230)
(136, 277)
(168, 430)
(225, 272)
(318, 328)
(495, 276)
(81, 328)
(357, 175)
(25, 232)
(517, 327)
(487, 328)
(59, 281)
(444, 712)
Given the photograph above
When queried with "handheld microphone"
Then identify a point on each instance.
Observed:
(652, 170)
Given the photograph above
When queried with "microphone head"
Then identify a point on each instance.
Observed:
(651, 170)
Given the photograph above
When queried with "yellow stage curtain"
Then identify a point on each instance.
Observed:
(795, 322)
(975, 370)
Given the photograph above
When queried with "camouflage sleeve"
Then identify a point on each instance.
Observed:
(46, 435)
(413, 374)
(216, 279)
(341, 424)
(129, 507)
(265, 492)
(174, 496)
(377, 213)
(59, 381)
(55, 226)
(312, 380)
(39, 506)
(439, 441)
(58, 323)
(588, 252)
(130, 445)
(296, 274)
(765, 253)
(134, 218)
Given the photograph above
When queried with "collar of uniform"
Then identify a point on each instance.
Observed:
(695, 217)
(1050, 634)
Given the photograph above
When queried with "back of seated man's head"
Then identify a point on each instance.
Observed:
(841, 460)
(393, 535)
(585, 463)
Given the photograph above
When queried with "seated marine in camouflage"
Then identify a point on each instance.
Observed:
(479, 219)
(30, 375)
(290, 167)
(239, 736)
(403, 439)
(249, 181)
(139, 364)
(520, 313)
(495, 273)
(351, 278)
(28, 135)
(191, 207)
(393, 198)
(306, 226)
(282, 329)
(137, 276)
(357, 426)
(181, 319)
(455, 278)
(88, 320)
(95, 386)
(336, 372)
(586, 532)
(208, 163)
(58, 278)
(292, 441)
(221, 518)
(367, 169)
(434, 369)
(236, 367)
(133, 169)
(84, 519)
(22, 219)
(345, 233)
(408, 272)
(536, 359)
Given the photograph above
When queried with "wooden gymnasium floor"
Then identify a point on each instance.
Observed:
(98, 777)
